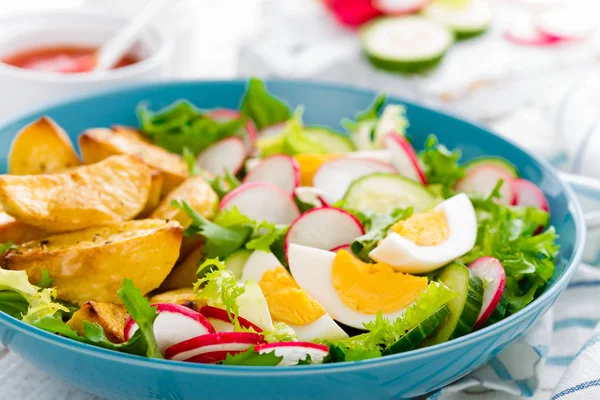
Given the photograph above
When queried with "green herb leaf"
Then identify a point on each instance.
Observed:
(142, 313)
(441, 165)
(370, 114)
(251, 357)
(6, 247)
(45, 281)
(262, 107)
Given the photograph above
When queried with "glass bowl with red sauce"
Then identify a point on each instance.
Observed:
(50, 56)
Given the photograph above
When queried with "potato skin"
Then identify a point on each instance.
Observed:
(42, 147)
(113, 190)
(18, 232)
(197, 193)
(154, 196)
(184, 274)
(184, 296)
(111, 317)
(98, 144)
(90, 265)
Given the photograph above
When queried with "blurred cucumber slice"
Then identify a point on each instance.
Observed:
(405, 44)
(466, 21)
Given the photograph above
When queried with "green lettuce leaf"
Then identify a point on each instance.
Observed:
(251, 357)
(509, 234)
(222, 185)
(441, 166)
(370, 114)
(181, 125)
(6, 247)
(376, 227)
(142, 313)
(291, 140)
(261, 107)
(281, 332)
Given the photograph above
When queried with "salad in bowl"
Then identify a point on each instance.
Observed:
(250, 238)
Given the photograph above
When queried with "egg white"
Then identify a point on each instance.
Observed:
(312, 270)
(325, 327)
(409, 257)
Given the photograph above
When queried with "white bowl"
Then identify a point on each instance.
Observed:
(24, 89)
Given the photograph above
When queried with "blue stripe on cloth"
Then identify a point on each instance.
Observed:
(581, 284)
(500, 370)
(595, 339)
(566, 323)
(541, 350)
(577, 388)
(560, 361)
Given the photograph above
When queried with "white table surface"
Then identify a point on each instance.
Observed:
(217, 57)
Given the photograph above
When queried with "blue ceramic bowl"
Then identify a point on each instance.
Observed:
(120, 376)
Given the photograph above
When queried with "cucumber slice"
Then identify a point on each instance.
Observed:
(416, 335)
(333, 142)
(405, 44)
(464, 309)
(236, 261)
(469, 20)
(497, 161)
(381, 192)
(499, 312)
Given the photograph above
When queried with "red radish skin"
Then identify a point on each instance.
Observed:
(491, 270)
(400, 7)
(221, 315)
(227, 154)
(280, 170)
(342, 247)
(404, 158)
(170, 328)
(529, 36)
(293, 352)
(272, 130)
(483, 178)
(324, 228)
(335, 176)
(352, 13)
(528, 194)
(208, 345)
(566, 24)
(225, 114)
(262, 201)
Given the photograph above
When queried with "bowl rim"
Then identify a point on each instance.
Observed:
(157, 57)
(186, 367)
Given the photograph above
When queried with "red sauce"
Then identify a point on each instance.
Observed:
(63, 59)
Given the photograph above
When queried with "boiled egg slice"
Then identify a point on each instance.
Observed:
(287, 302)
(352, 291)
(427, 241)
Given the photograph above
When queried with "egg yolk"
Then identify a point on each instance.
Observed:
(370, 288)
(425, 229)
(309, 164)
(287, 302)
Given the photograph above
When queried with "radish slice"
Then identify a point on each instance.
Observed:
(483, 178)
(247, 133)
(324, 228)
(213, 347)
(491, 272)
(342, 247)
(352, 13)
(220, 320)
(226, 155)
(262, 201)
(400, 7)
(528, 35)
(566, 24)
(174, 323)
(404, 158)
(335, 176)
(528, 194)
(293, 352)
(377, 155)
(272, 130)
(313, 196)
(280, 170)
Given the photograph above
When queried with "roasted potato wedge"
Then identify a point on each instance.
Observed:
(91, 264)
(111, 317)
(18, 232)
(42, 147)
(113, 190)
(97, 144)
(197, 193)
(184, 273)
(185, 296)
(130, 132)
(155, 194)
